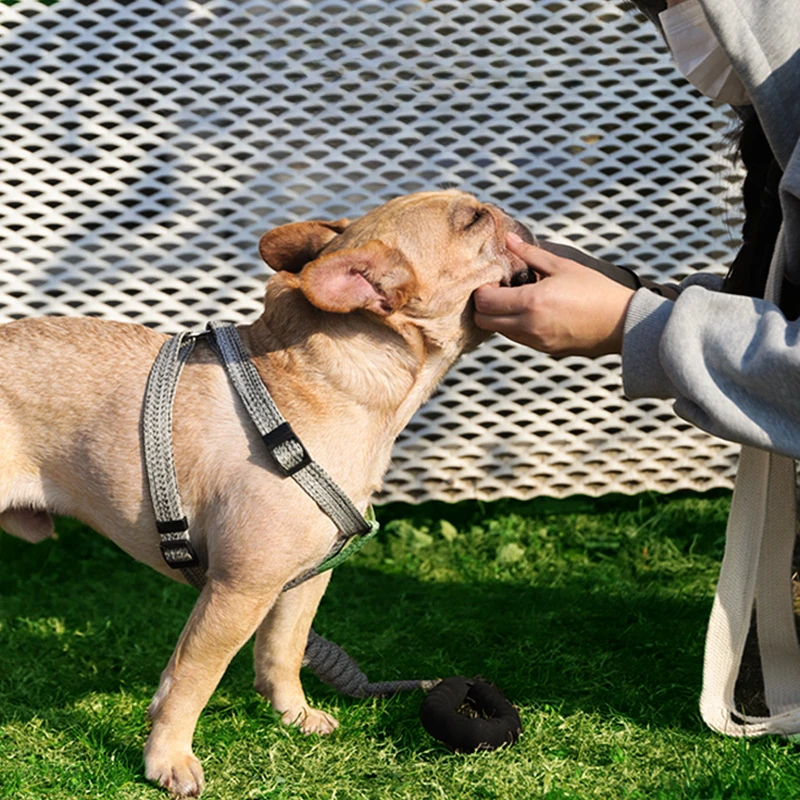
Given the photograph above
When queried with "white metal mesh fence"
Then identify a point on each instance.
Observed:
(146, 145)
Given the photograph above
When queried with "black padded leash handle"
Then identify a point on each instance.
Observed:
(496, 722)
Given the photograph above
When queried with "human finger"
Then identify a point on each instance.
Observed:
(493, 301)
(496, 323)
(542, 261)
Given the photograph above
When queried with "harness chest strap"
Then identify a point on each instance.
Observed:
(286, 449)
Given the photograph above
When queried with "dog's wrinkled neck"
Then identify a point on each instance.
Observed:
(354, 353)
(382, 367)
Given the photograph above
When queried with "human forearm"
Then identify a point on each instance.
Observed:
(732, 364)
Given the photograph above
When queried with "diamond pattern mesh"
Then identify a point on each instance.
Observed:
(146, 145)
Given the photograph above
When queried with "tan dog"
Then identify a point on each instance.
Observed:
(360, 322)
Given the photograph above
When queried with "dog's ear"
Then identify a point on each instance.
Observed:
(373, 277)
(290, 247)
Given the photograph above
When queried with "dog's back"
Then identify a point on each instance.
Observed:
(68, 384)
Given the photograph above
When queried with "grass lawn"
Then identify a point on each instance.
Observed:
(589, 615)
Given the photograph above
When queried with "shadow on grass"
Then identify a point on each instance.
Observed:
(77, 617)
(632, 655)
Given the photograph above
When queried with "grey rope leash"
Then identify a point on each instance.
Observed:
(333, 666)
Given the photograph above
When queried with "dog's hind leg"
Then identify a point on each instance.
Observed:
(222, 620)
(280, 645)
(27, 523)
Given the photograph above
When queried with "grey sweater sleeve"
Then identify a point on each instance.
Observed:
(732, 364)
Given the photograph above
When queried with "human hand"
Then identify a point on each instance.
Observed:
(570, 310)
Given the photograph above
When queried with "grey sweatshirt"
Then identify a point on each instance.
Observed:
(732, 363)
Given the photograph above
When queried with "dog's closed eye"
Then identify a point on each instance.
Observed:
(468, 218)
(478, 215)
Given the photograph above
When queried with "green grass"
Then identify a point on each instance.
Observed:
(589, 615)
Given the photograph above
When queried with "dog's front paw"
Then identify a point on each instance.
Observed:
(180, 774)
(310, 720)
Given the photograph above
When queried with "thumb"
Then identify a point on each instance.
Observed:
(499, 301)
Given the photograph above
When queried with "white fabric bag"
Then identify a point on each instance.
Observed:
(756, 569)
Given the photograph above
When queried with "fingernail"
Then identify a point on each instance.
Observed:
(513, 238)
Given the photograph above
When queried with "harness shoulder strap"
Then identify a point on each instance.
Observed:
(284, 446)
(171, 523)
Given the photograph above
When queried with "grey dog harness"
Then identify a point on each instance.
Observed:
(286, 449)
(327, 660)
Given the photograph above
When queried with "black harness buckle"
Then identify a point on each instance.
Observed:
(179, 553)
(176, 546)
(280, 435)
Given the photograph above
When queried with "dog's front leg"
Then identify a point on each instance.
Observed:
(221, 622)
(280, 645)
